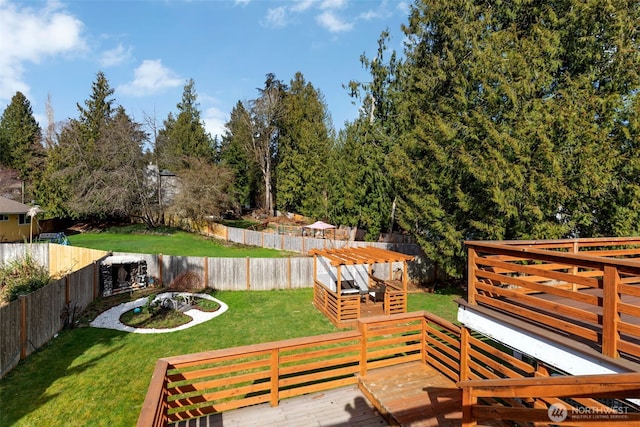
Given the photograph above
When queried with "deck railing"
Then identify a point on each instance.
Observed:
(190, 386)
(194, 385)
(344, 310)
(593, 400)
(586, 288)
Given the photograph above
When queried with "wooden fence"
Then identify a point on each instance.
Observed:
(27, 324)
(31, 321)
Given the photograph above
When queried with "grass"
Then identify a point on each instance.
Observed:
(136, 239)
(99, 377)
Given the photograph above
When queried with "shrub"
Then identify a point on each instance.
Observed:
(21, 277)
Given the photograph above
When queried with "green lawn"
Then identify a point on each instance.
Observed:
(169, 242)
(99, 377)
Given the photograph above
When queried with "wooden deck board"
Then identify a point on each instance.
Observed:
(345, 406)
(413, 394)
(409, 394)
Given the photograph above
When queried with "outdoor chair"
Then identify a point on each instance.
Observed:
(377, 294)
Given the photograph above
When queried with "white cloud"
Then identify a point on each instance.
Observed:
(403, 7)
(332, 23)
(151, 77)
(214, 121)
(115, 56)
(242, 2)
(32, 35)
(276, 18)
(302, 5)
(333, 4)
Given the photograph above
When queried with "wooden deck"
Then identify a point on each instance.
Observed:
(345, 406)
(410, 394)
(413, 394)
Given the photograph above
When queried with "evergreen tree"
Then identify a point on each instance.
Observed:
(97, 111)
(233, 156)
(20, 139)
(366, 183)
(304, 146)
(510, 118)
(185, 136)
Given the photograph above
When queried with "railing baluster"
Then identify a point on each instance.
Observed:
(610, 314)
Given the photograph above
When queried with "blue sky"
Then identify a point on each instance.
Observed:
(148, 49)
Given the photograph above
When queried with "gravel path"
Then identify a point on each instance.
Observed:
(110, 319)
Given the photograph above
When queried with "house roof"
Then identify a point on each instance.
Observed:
(8, 206)
(361, 255)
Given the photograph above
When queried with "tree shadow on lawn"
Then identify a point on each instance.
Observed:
(24, 389)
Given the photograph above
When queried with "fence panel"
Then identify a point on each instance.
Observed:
(267, 273)
(235, 235)
(9, 336)
(44, 308)
(174, 266)
(272, 241)
(253, 238)
(301, 271)
(292, 244)
(228, 274)
(38, 251)
(65, 259)
(81, 287)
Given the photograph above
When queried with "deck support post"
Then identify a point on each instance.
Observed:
(468, 400)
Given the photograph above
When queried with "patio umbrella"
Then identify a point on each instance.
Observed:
(320, 225)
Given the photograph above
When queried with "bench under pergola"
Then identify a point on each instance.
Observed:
(352, 282)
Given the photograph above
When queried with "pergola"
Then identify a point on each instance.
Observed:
(343, 278)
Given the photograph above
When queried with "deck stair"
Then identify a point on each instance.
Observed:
(413, 394)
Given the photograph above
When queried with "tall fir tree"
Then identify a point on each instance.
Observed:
(184, 135)
(21, 139)
(304, 146)
(233, 155)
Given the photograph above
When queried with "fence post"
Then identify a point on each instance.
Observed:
(67, 290)
(610, 314)
(205, 266)
(96, 275)
(289, 273)
(23, 326)
(160, 284)
(248, 267)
